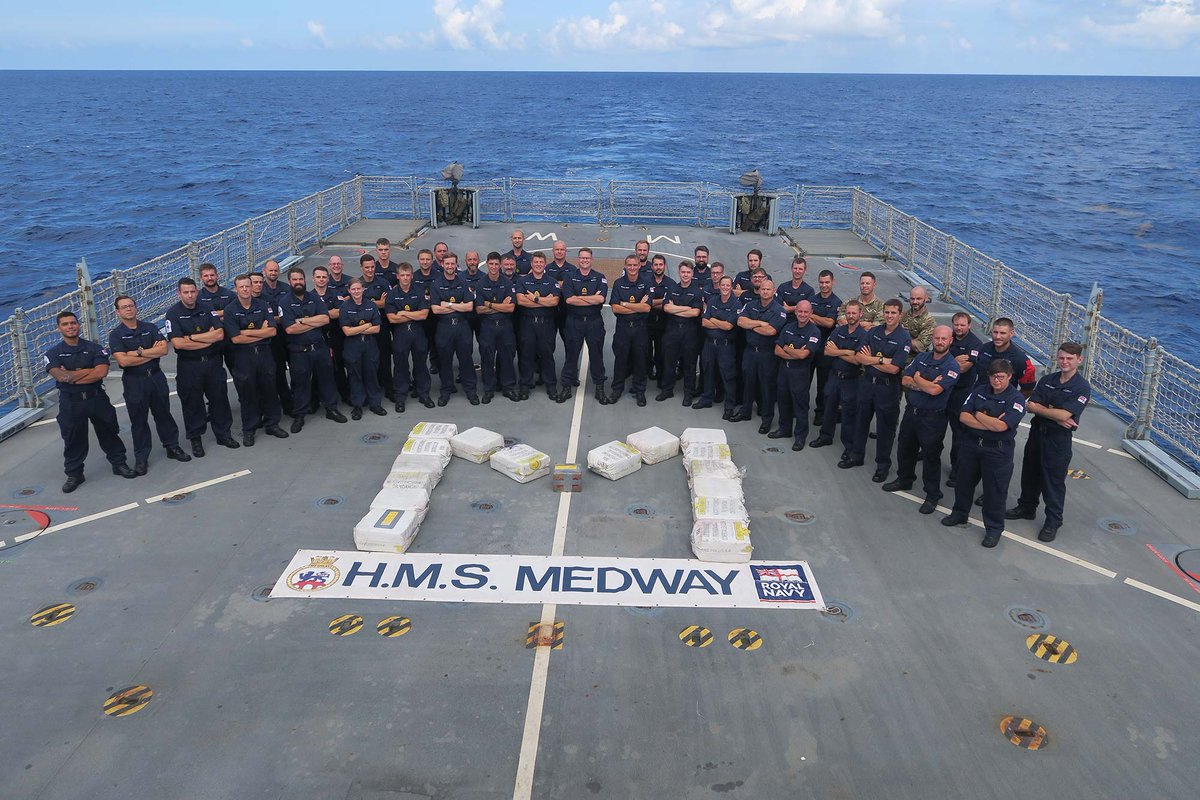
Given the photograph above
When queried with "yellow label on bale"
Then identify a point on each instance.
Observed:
(420, 426)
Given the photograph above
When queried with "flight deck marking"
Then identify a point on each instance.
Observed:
(1050, 648)
(129, 700)
(391, 627)
(745, 639)
(345, 625)
(1154, 590)
(1024, 733)
(540, 635)
(196, 486)
(52, 615)
(1175, 568)
(696, 636)
(73, 522)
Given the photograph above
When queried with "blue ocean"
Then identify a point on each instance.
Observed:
(1068, 179)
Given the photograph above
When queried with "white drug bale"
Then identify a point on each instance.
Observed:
(476, 444)
(412, 479)
(703, 486)
(428, 447)
(714, 468)
(727, 509)
(692, 436)
(388, 530)
(521, 462)
(434, 465)
(705, 452)
(654, 444)
(614, 460)
(433, 430)
(415, 498)
(721, 540)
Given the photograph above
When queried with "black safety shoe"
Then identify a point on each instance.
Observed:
(230, 442)
(778, 434)
(1047, 534)
(139, 468)
(473, 399)
(248, 438)
(298, 424)
(378, 411)
(337, 416)
(487, 397)
(176, 454)
(356, 412)
(929, 506)
(991, 540)
(820, 441)
(954, 519)
(897, 486)
(399, 408)
(198, 448)
(73, 483)
(124, 471)
(1019, 512)
(798, 446)
(849, 463)
(661, 396)
(276, 431)
(427, 402)
(640, 398)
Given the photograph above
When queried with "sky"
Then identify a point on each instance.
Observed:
(1040, 37)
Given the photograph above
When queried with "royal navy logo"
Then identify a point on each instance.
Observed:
(406, 308)
(319, 574)
(787, 583)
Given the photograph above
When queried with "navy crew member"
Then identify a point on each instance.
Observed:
(700, 265)
(423, 277)
(630, 302)
(825, 307)
(990, 414)
(79, 366)
(275, 291)
(304, 318)
(797, 348)
(717, 361)
(451, 301)
(928, 379)
(883, 357)
(198, 337)
(744, 281)
(496, 302)
(137, 347)
(556, 269)
(872, 306)
(439, 254)
(339, 281)
(538, 299)
(841, 390)
(375, 291)
(249, 325)
(213, 296)
(641, 249)
(797, 288)
(473, 275)
(761, 319)
(584, 292)
(656, 323)
(965, 349)
(332, 298)
(384, 266)
(682, 306)
(1057, 403)
(519, 255)
(359, 319)
(1001, 346)
(917, 320)
(407, 308)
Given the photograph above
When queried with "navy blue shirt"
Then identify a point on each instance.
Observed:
(789, 295)
(497, 291)
(743, 280)
(523, 261)
(658, 290)
(388, 270)
(826, 307)
(183, 321)
(987, 354)
(455, 290)
(967, 346)
(794, 337)
(726, 311)
(310, 305)
(845, 339)
(425, 281)
(473, 280)
(691, 296)
(931, 368)
(1072, 395)
(711, 291)
(627, 291)
(237, 319)
(277, 296)
(772, 313)
(341, 286)
(216, 300)
(1008, 405)
(545, 286)
(355, 314)
(895, 345)
(575, 284)
(332, 299)
(128, 340)
(83, 355)
(556, 272)
(377, 288)
(399, 300)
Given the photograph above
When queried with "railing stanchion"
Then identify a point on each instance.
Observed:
(87, 302)
(24, 360)
(1095, 302)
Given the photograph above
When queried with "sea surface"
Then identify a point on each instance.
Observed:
(1068, 179)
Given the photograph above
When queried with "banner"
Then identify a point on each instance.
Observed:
(457, 578)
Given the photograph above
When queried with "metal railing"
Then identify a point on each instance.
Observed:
(1153, 390)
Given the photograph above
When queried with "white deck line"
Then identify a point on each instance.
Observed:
(1145, 587)
(62, 526)
(523, 787)
(196, 486)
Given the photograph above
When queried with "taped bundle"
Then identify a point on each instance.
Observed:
(433, 430)
(388, 530)
(721, 540)
(476, 444)
(614, 460)
(654, 444)
(521, 462)
(691, 436)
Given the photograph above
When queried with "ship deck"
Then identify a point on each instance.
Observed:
(902, 694)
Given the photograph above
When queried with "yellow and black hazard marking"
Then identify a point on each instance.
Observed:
(540, 635)
(696, 636)
(50, 616)
(392, 627)
(1078, 474)
(129, 700)
(345, 625)
(1051, 648)
(745, 639)
(1024, 733)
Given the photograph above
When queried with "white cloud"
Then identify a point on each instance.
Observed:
(463, 27)
(1160, 23)
(644, 27)
(751, 21)
(1047, 43)
(963, 43)
(317, 29)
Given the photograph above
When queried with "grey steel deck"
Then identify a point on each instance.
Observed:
(904, 698)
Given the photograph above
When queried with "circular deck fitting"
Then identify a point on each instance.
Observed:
(85, 585)
(1051, 648)
(1188, 562)
(799, 516)
(745, 639)
(374, 438)
(129, 700)
(837, 611)
(262, 594)
(329, 501)
(345, 625)
(509, 441)
(178, 499)
(485, 505)
(26, 491)
(772, 449)
(51, 615)
(1029, 618)
(1118, 526)
(640, 510)
(391, 627)
(696, 636)
(1024, 733)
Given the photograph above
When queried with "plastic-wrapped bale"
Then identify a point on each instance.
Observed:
(723, 509)
(691, 436)
(408, 497)
(654, 444)
(433, 430)
(714, 468)
(705, 452)
(476, 444)
(412, 478)
(521, 462)
(721, 540)
(434, 465)
(614, 460)
(428, 447)
(388, 530)
(703, 486)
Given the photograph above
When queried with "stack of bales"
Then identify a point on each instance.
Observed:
(721, 525)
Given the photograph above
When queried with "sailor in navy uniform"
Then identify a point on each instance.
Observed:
(700, 267)
(274, 291)
(796, 348)
(249, 324)
(655, 273)
(682, 306)
(630, 302)
(991, 416)
(584, 291)
(825, 305)
(305, 316)
(79, 366)
(375, 291)
(1001, 346)
(451, 301)
(518, 254)
(1057, 402)
(495, 303)
(841, 390)
(137, 346)
(884, 355)
(716, 361)
(761, 318)
(332, 298)
(538, 302)
(359, 319)
(929, 380)
(407, 308)
(965, 350)
(797, 289)
(198, 337)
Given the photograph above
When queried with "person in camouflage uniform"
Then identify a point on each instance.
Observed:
(872, 306)
(917, 320)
